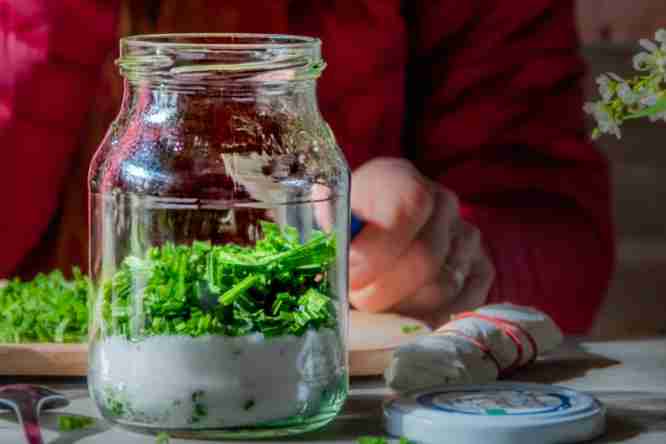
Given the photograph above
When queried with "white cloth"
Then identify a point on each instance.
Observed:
(455, 354)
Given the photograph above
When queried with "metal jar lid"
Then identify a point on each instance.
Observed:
(498, 413)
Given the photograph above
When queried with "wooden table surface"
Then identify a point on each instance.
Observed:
(628, 376)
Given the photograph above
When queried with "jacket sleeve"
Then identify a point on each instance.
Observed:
(495, 114)
(50, 53)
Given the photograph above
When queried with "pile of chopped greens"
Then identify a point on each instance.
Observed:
(276, 287)
(47, 309)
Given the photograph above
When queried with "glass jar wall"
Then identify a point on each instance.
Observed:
(219, 209)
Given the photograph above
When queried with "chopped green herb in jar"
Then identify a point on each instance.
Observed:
(197, 395)
(248, 404)
(116, 405)
(276, 287)
(162, 438)
(68, 422)
(200, 410)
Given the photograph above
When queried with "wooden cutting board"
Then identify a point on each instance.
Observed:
(44, 359)
(373, 337)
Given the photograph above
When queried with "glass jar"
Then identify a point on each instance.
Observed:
(219, 210)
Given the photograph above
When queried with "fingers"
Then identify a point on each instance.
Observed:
(396, 202)
(465, 246)
(444, 296)
(411, 255)
(419, 266)
(474, 292)
(410, 272)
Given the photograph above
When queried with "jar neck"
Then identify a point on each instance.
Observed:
(158, 104)
(188, 76)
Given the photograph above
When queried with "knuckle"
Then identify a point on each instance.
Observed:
(425, 263)
(450, 200)
(471, 234)
(492, 271)
(489, 270)
(397, 165)
(416, 197)
(362, 302)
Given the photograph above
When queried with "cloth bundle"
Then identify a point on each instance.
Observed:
(474, 348)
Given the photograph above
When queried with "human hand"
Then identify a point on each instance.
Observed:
(416, 256)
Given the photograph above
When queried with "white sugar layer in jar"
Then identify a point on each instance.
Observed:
(215, 381)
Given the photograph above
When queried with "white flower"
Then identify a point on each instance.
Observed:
(589, 107)
(648, 45)
(660, 36)
(605, 121)
(606, 87)
(655, 58)
(649, 99)
(643, 61)
(615, 77)
(626, 94)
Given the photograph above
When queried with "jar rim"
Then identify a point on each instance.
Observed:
(226, 41)
(214, 57)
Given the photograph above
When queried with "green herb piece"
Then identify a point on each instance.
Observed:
(162, 438)
(372, 440)
(409, 329)
(49, 308)
(67, 422)
(198, 395)
(115, 402)
(380, 440)
(277, 287)
(200, 411)
(248, 404)
(240, 288)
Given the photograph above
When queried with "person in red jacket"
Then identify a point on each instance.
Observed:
(462, 120)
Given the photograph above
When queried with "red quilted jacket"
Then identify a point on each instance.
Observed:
(483, 95)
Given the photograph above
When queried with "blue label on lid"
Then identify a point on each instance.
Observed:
(496, 403)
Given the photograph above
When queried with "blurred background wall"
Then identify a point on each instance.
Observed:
(636, 303)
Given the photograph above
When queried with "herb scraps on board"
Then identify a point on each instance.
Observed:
(162, 438)
(643, 95)
(48, 308)
(411, 329)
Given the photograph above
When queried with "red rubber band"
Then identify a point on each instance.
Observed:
(511, 329)
(480, 344)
